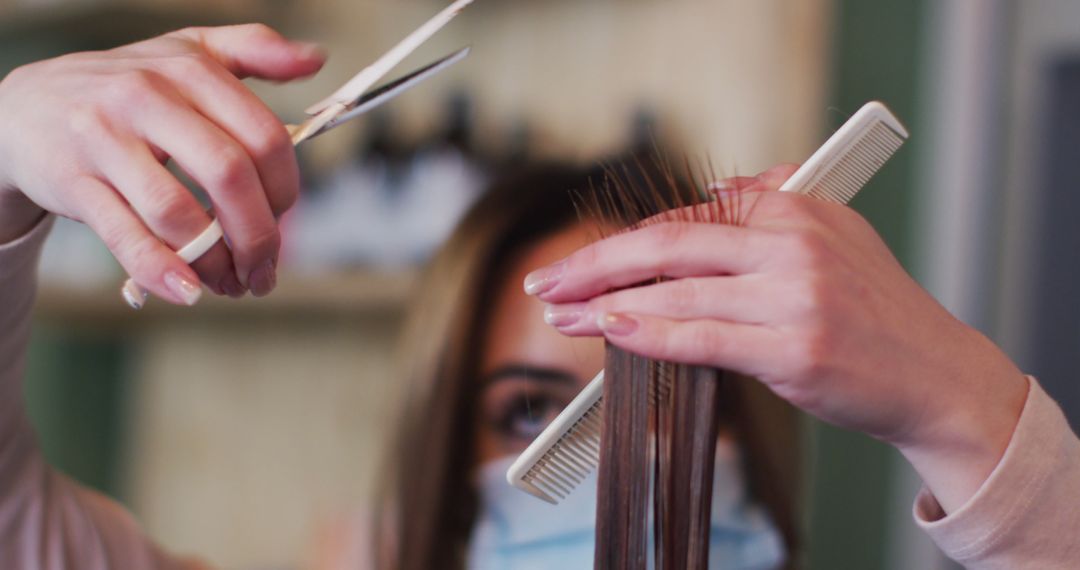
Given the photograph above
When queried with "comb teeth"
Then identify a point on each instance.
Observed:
(841, 181)
(568, 449)
(553, 472)
(570, 460)
(851, 156)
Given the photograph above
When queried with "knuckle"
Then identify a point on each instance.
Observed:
(135, 87)
(170, 205)
(685, 297)
(142, 248)
(196, 63)
(790, 206)
(270, 140)
(812, 294)
(585, 258)
(703, 340)
(87, 121)
(134, 251)
(808, 246)
(231, 168)
(812, 351)
(264, 242)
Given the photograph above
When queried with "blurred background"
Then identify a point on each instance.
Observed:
(234, 430)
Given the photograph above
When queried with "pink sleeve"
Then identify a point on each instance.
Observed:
(1027, 513)
(48, 521)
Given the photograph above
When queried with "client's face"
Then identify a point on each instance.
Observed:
(529, 372)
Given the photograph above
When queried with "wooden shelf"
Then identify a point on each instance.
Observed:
(347, 295)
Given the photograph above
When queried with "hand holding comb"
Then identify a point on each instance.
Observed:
(567, 450)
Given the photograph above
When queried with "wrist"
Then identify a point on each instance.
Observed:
(977, 408)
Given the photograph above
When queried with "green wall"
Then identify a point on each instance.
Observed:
(876, 50)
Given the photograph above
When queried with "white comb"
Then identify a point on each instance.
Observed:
(569, 448)
(851, 156)
(566, 451)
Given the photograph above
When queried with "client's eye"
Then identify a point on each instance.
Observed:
(527, 415)
(520, 408)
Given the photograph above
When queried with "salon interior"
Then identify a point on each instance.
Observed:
(243, 430)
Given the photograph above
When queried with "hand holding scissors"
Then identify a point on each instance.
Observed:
(348, 102)
(87, 136)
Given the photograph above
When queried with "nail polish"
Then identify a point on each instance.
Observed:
(544, 279)
(310, 50)
(134, 294)
(718, 186)
(563, 315)
(616, 324)
(182, 287)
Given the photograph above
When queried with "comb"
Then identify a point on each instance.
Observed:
(851, 156)
(569, 447)
(566, 451)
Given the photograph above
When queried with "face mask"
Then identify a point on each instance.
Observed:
(516, 531)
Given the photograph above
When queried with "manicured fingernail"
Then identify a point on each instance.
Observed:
(616, 324)
(544, 279)
(718, 186)
(262, 280)
(232, 287)
(182, 287)
(134, 294)
(310, 50)
(563, 315)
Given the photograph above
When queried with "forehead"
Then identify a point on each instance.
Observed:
(517, 333)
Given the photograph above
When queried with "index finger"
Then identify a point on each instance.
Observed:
(666, 249)
(668, 244)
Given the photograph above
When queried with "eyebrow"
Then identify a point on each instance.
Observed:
(529, 372)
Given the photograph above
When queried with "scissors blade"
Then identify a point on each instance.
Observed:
(372, 73)
(391, 90)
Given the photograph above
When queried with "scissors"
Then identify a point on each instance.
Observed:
(350, 101)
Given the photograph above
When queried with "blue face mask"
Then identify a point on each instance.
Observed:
(516, 531)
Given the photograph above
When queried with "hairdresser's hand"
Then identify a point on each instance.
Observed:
(808, 299)
(86, 135)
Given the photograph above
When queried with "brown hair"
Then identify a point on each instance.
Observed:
(427, 499)
(662, 419)
(427, 502)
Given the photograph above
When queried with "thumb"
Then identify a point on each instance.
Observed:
(256, 50)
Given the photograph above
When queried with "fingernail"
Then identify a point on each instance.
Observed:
(563, 315)
(718, 186)
(182, 287)
(232, 287)
(544, 279)
(616, 324)
(262, 280)
(310, 50)
(134, 294)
